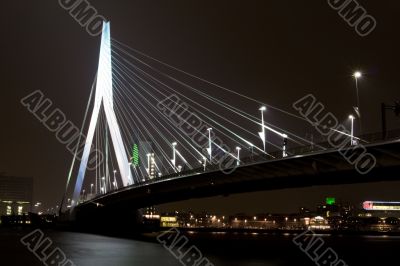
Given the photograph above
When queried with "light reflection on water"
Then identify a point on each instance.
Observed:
(220, 249)
(86, 249)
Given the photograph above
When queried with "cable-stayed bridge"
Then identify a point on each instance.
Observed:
(155, 133)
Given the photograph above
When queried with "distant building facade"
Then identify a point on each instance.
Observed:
(16, 195)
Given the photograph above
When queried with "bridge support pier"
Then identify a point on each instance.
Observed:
(115, 220)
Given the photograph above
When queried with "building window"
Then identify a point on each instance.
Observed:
(19, 210)
(9, 210)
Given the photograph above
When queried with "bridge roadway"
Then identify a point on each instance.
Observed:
(317, 168)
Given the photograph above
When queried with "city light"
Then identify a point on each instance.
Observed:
(357, 74)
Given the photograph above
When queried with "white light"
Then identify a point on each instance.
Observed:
(209, 128)
(115, 171)
(262, 108)
(238, 148)
(351, 117)
(357, 74)
(173, 144)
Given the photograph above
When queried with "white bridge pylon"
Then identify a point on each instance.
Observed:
(104, 94)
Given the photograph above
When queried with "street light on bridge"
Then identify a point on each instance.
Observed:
(173, 155)
(238, 156)
(209, 149)
(252, 151)
(357, 75)
(262, 133)
(352, 142)
(115, 180)
(285, 137)
(104, 185)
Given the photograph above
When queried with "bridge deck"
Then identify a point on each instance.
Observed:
(320, 168)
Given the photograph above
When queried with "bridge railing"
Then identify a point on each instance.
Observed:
(256, 158)
(323, 145)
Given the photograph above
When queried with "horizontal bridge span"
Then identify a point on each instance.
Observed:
(314, 169)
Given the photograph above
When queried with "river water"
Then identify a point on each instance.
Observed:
(220, 249)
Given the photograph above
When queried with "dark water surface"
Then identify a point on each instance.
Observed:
(220, 249)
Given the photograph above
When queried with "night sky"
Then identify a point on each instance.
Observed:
(274, 51)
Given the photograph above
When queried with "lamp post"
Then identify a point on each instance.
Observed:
(209, 149)
(174, 154)
(357, 75)
(262, 133)
(91, 189)
(203, 162)
(238, 156)
(252, 152)
(104, 184)
(284, 154)
(351, 117)
(115, 180)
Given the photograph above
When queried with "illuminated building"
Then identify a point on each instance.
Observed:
(15, 195)
(381, 206)
(169, 221)
(135, 155)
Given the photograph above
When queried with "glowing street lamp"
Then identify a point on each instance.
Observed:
(203, 162)
(262, 133)
(238, 155)
(104, 185)
(209, 149)
(357, 75)
(91, 189)
(173, 154)
(115, 180)
(284, 154)
(352, 142)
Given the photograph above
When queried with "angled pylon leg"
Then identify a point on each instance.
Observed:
(104, 94)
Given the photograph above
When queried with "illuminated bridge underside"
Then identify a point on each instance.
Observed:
(322, 168)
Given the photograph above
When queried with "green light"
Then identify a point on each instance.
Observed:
(330, 201)
(135, 155)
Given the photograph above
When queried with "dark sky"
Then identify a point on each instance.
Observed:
(274, 51)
